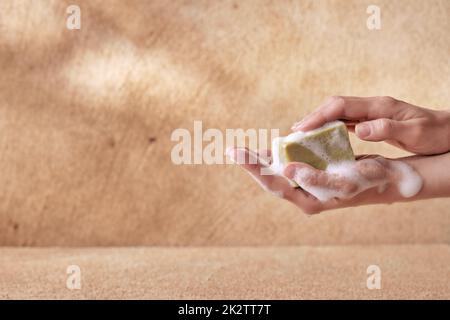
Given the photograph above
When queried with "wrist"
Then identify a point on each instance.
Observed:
(447, 127)
(403, 180)
(432, 170)
(442, 129)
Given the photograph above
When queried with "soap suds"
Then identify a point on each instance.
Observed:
(276, 166)
(410, 182)
(344, 181)
(351, 181)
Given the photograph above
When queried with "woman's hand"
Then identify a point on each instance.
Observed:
(412, 128)
(370, 180)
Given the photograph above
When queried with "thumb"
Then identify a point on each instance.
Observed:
(380, 129)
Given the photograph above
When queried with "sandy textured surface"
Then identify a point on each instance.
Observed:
(86, 116)
(407, 271)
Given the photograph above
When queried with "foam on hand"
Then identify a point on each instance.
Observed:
(410, 181)
(328, 149)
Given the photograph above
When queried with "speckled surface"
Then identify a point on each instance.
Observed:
(407, 272)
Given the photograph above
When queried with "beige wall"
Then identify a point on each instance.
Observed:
(86, 116)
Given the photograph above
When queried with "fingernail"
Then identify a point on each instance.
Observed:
(362, 130)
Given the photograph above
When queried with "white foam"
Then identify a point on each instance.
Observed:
(410, 182)
(276, 166)
(343, 171)
(403, 176)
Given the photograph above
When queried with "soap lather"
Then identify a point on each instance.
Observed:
(319, 148)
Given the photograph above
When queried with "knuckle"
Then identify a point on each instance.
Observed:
(384, 126)
(311, 180)
(387, 100)
(338, 101)
(417, 135)
(350, 188)
(422, 128)
(371, 169)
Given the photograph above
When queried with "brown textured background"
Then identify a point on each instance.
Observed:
(85, 124)
(86, 116)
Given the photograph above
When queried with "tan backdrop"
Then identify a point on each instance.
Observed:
(86, 115)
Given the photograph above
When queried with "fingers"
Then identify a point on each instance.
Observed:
(275, 184)
(381, 129)
(340, 188)
(260, 170)
(251, 162)
(265, 155)
(308, 177)
(350, 108)
(302, 173)
(325, 185)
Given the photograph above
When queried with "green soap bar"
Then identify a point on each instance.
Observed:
(318, 148)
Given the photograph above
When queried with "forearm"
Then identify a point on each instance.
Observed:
(446, 115)
(435, 173)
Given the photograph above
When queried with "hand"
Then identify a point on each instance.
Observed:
(414, 129)
(372, 179)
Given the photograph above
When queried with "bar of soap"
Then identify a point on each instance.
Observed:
(319, 147)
